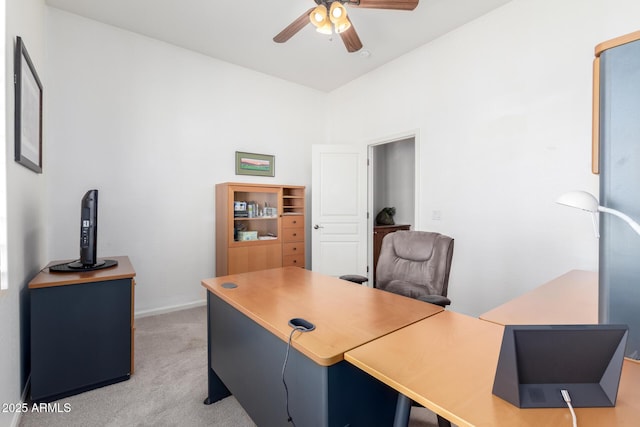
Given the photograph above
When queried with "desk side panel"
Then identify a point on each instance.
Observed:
(249, 360)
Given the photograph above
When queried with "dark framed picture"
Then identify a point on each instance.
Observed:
(255, 164)
(28, 105)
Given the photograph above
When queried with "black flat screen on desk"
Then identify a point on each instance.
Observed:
(537, 361)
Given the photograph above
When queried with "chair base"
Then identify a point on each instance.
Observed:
(403, 411)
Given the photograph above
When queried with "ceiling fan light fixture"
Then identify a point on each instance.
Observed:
(331, 15)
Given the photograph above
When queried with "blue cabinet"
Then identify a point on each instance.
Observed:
(81, 330)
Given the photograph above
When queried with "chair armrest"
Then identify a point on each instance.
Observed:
(436, 299)
(355, 278)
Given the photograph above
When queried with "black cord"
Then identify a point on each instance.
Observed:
(284, 366)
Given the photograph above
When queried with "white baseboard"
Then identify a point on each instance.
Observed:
(169, 309)
(15, 422)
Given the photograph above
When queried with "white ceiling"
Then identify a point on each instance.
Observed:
(241, 32)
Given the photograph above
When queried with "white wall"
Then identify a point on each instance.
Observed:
(503, 108)
(25, 244)
(154, 128)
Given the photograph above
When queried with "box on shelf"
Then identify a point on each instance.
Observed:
(247, 235)
(270, 212)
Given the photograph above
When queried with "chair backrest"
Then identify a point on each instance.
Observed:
(415, 263)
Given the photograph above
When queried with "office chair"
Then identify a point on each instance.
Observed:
(415, 264)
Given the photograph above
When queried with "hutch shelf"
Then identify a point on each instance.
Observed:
(259, 226)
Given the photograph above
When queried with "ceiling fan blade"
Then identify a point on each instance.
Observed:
(387, 4)
(350, 38)
(293, 28)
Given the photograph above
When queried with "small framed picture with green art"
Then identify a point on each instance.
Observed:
(255, 164)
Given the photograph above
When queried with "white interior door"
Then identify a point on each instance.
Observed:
(339, 210)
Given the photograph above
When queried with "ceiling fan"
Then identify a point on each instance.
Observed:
(330, 15)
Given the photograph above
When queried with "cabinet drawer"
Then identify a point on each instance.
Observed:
(293, 248)
(290, 221)
(293, 234)
(293, 261)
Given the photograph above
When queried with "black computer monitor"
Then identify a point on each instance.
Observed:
(88, 232)
(88, 239)
(536, 362)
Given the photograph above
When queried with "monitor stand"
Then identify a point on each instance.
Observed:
(77, 266)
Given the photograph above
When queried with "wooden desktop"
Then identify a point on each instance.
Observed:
(248, 332)
(448, 361)
(569, 299)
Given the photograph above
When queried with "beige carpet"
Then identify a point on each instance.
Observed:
(168, 387)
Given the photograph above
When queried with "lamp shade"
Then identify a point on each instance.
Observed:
(338, 16)
(318, 16)
(342, 25)
(325, 28)
(579, 199)
(337, 12)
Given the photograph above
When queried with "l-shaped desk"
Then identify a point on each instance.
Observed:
(248, 332)
(441, 359)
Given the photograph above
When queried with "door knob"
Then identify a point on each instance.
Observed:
(315, 227)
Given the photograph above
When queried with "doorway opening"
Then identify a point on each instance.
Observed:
(392, 184)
